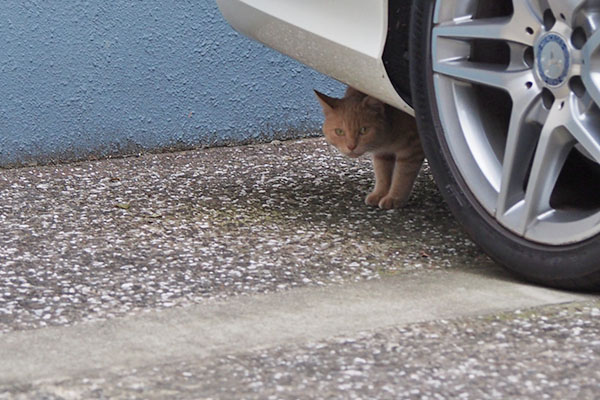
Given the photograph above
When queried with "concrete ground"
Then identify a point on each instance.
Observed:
(258, 272)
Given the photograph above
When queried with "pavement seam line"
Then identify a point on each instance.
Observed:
(246, 323)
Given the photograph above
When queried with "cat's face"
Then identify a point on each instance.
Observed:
(355, 125)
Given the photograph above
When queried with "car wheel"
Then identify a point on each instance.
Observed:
(507, 95)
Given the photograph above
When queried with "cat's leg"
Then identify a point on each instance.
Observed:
(383, 166)
(403, 178)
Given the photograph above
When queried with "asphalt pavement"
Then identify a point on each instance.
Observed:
(258, 272)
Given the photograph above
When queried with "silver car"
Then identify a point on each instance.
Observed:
(506, 94)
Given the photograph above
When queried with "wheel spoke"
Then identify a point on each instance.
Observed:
(566, 9)
(522, 27)
(592, 43)
(584, 128)
(590, 74)
(520, 145)
(527, 14)
(489, 28)
(484, 74)
(552, 150)
(517, 57)
(585, 104)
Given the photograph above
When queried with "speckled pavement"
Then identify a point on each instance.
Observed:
(544, 353)
(112, 240)
(103, 239)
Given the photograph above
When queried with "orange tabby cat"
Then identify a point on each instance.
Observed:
(358, 124)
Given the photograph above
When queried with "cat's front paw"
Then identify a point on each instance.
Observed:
(374, 198)
(390, 202)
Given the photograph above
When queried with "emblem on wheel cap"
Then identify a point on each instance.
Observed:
(553, 59)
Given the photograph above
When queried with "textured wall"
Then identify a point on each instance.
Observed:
(92, 78)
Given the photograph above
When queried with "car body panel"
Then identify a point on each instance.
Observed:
(342, 39)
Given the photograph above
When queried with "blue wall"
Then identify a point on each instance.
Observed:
(93, 78)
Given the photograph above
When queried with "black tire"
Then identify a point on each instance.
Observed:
(575, 266)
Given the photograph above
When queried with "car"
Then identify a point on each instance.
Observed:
(506, 94)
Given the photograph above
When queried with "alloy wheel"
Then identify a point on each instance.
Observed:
(517, 86)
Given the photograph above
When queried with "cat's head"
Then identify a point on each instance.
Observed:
(354, 124)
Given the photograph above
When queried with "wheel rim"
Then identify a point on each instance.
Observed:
(517, 87)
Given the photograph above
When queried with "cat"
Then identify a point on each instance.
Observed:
(358, 124)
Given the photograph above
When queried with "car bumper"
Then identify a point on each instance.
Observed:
(342, 39)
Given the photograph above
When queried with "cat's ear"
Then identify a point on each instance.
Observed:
(328, 103)
(374, 104)
(351, 92)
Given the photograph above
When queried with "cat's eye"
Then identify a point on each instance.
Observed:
(339, 132)
(363, 130)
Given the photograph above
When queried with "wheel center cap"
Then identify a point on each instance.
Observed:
(553, 59)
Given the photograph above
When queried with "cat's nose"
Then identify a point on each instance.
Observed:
(352, 146)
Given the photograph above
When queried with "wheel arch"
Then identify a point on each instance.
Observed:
(396, 51)
(344, 40)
